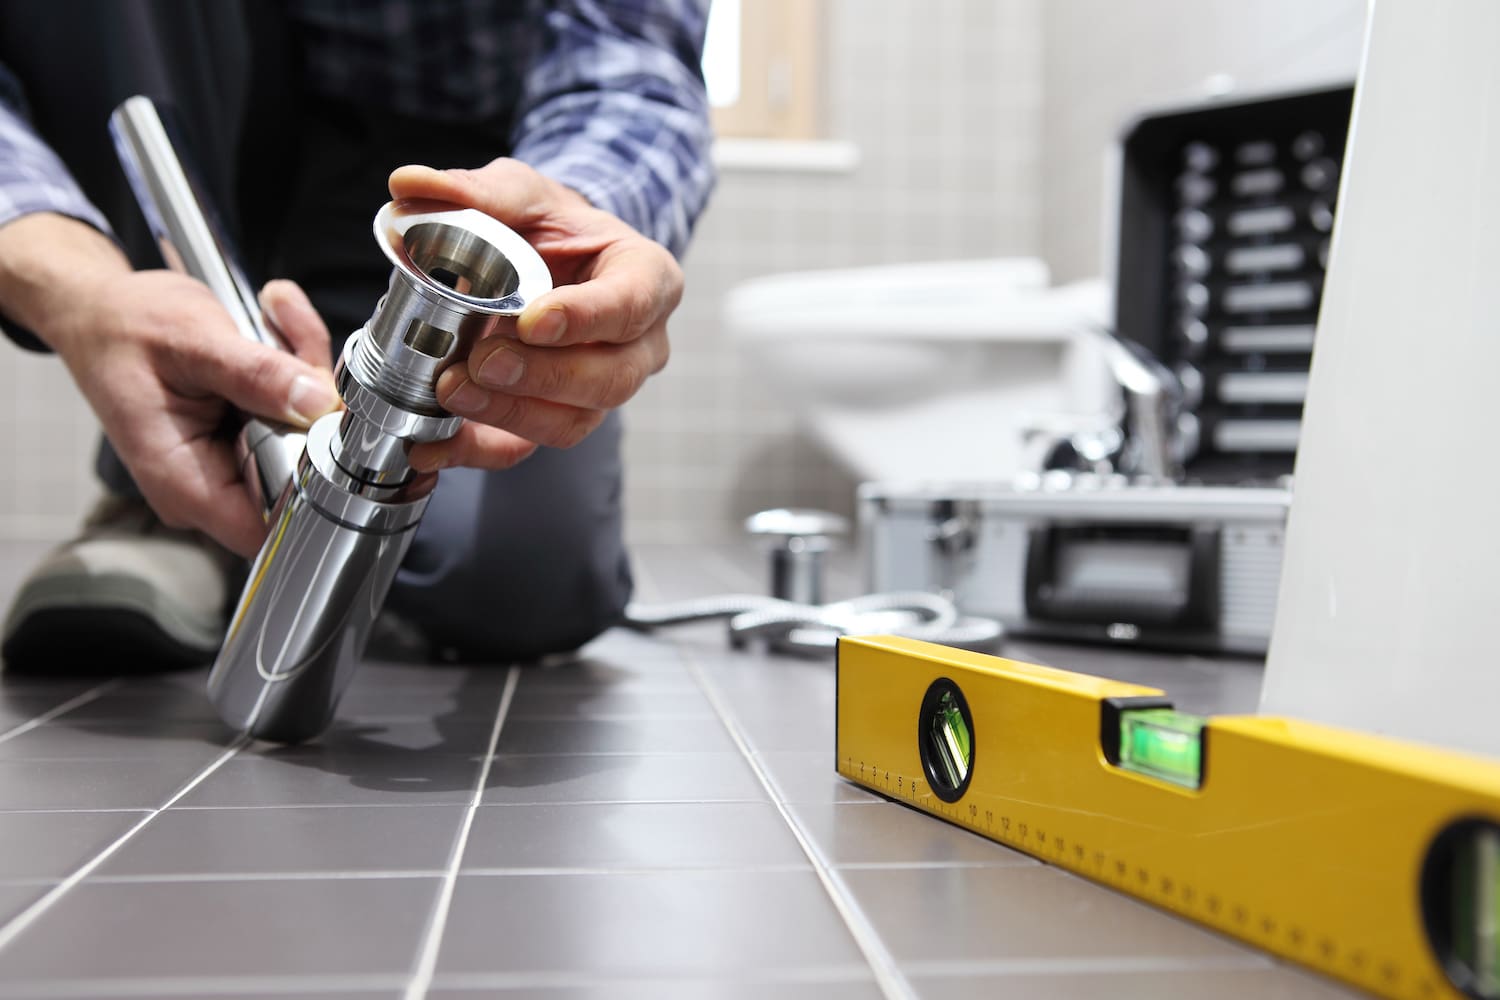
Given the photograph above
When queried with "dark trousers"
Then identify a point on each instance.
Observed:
(506, 565)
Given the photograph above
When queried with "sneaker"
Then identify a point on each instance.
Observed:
(128, 595)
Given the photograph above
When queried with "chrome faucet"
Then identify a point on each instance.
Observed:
(1150, 439)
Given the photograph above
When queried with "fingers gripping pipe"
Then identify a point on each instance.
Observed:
(344, 522)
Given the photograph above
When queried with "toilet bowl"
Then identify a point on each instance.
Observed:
(927, 371)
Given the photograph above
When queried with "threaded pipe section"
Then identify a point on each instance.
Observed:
(411, 390)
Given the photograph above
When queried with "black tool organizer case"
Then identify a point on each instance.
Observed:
(1226, 209)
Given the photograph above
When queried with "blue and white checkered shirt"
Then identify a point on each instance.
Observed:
(606, 95)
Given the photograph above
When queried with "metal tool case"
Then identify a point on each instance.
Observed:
(1075, 558)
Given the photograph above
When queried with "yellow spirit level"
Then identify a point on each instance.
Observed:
(1368, 859)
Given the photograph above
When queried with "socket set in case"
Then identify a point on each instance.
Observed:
(1226, 211)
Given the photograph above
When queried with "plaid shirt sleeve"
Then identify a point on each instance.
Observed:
(614, 106)
(32, 178)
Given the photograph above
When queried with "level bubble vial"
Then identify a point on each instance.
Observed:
(945, 740)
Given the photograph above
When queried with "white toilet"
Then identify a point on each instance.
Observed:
(927, 371)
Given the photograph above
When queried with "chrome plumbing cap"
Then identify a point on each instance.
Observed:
(465, 256)
(786, 522)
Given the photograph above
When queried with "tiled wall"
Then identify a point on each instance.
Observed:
(979, 124)
(46, 448)
(943, 101)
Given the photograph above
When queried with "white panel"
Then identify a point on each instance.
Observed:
(1386, 613)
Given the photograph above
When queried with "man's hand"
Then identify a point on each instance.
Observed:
(160, 362)
(577, 352)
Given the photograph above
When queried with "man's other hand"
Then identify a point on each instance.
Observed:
(575, 353)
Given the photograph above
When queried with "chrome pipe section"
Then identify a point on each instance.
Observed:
(192, 241)
(798, 541)
(344, 523)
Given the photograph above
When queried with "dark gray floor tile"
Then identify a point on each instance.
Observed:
(551, 736)
(632, 835)
(770, 682)
(166, 698)
(456, 680)
(24, 697)
(661, 989)
(15, 898)
(56, 844)
(644, 648)
(368, 704)
(662, 668)
(1222, 984)
(862, 833)
(442, 734)
(416, 778)
(94, 784)
(19, 709)
(788, 728)
(76, 739)
(699, 777)
(224, 929)
(1194, 683)
(949, 914)
(608, 703)
(808, 776)
(284, 841)
(710, 923)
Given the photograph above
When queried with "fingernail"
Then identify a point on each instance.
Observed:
(549, 329)
(268, 307)
(311, 397)
(503, 368)
(467, 398)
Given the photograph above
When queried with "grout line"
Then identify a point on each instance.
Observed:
(421, 980)
(896, 866)
(643, 716)
(416, 873)
(292, 876)
(678, 869)
(11, 930)
(199, 986)
(888, 977)
(1076, 965)
(882, 963)
(55, 711)
(696, 800)
(83, 809)
(603, 984)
